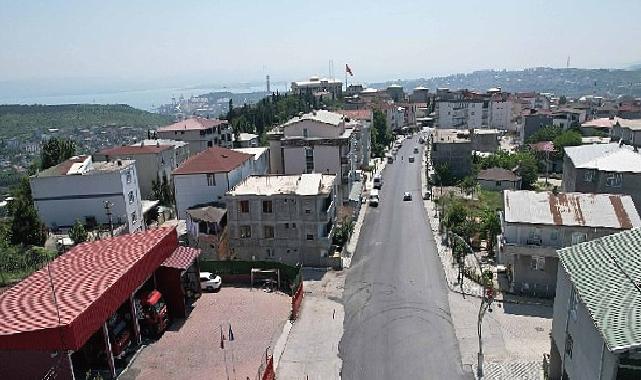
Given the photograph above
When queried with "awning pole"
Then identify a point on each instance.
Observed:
(110, 355)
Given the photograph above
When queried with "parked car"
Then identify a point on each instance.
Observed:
(210, 282)
(378, 181)
(373, 198)
(411, 159)
(407, 196)
(416, 149)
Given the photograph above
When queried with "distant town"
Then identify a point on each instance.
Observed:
(483, 225)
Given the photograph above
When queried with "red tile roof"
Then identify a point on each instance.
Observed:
(182, 258)
(213, 160)
(133, 150)
(194, 123)
(91, 281)
(362, 114)
(63, 167)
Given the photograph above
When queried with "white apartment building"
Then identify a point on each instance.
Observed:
(284, 218)
(207, 176)
(501, 112)
(316, 85)
(466, 110)
(154, 159)
(78, 188)
(317, 142)
(200, 133)
(260, 161)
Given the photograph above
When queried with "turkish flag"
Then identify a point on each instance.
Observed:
(348, 70)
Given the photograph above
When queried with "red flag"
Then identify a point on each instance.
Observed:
(348, 70)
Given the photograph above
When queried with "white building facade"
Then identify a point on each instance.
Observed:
(200, 133)
(78, 188)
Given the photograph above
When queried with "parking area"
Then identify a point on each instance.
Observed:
(192, 348)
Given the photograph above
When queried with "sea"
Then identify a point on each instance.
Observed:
(145, 99)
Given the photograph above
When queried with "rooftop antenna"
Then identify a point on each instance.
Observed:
(567, 64)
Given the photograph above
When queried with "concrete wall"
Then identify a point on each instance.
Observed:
(590, 358)
(275, 157)
(500, 186)
(327, 159)
(198, 142)
(61, 200)
(314, 129)
(457, 156)
(500, 114)
(294, 158)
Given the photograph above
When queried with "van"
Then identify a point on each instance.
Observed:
(378, 181)
(373, 198)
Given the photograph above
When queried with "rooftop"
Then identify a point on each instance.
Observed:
(316, 80)
(90, 281)
(193, 124)
(207, 213)
(605, 274)
(497, 174)
(603, 122)
(362, 114)
(451, 136)
(303, 184)
(322, 116)
(213, 160)
(84, 165)
(605, 157)
(256, 152)
(570, 209)
(128, 150)
(246, 136)
(633, 124)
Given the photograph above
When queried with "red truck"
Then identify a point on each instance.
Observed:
(155, 317)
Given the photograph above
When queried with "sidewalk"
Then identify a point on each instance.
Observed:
(311, 346)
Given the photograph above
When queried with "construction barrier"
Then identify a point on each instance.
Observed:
(297, 300)
(266, 369)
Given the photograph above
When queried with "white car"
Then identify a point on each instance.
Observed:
(210, 282)
(407, 196)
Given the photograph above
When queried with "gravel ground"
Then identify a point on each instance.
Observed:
(192, 350)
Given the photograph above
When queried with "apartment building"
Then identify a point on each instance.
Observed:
(534, 225)
(316, 142)
(78, 188)
(316, 85)
(627, 131)
(595, 327)
(460, 110)
(260, 160)
(154, 159)
(207, 176)
(603, 168)
(284, 218)
(452, 149)
(200, 133)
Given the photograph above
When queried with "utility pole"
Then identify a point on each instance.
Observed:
(486, 305)
(108, 206)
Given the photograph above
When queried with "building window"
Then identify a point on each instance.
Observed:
(293, 225)
(268, 232)
(309, 160)
(211, 179)
(286, 225)
(245, 231)
(498, 183)
(305, 133)
(244, 206)
(538, 263)
(614, 180)
(308, 211)
(210, 144)
(270, 252)
(128, 176)
(574, 300)
(310, 237)
(133, 218)
(554, 235)
(132, 198)
(579, 237)
(267, 207)
(568, 346)
(588, 176)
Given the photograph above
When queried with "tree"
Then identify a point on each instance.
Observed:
(343, 231)
(567, 138)
(77, 233)
(26, 227)
(491, 226)
(381, 136)
(161, 190)
(547, 133)
(442, 175)
(563, 100)
(55, 151)
(468, 183)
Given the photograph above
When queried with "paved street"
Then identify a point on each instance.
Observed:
(397, 318)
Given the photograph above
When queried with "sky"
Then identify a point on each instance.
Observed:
(211, 41)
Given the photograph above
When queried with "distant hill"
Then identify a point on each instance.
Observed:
(570, 82)
(24, 120)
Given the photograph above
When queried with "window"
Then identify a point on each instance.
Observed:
(269, 252)
(245, 231)
(305, 133)
(498, 183)
(308, 211)
(133, 218)
(588, 176)
(211, 179)
(244, 206)
(202, 227)
(132, 198)
(554, 235)
(568, 346)
(614, 180)
(574, 300)
(294, 225)
(537, 263)
(579, 237)
(268, 232)
(309, 160)
(310, 237)
(210, 144)
(267, 207)
(128, 176)
(286, 225)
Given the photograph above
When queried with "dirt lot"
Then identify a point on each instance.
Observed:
(192, 350)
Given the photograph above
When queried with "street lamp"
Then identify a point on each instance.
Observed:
(108, 206)
(486, 305)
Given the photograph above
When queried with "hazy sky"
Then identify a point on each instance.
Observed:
(235, 40)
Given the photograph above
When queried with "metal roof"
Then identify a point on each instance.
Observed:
(182, 258)
(605, 273)
(90, 281)
(570, 209)
(605, 157)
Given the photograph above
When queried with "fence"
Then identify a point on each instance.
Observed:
(297, 300)
(233, 271)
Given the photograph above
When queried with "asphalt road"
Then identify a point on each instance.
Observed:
(397, 319)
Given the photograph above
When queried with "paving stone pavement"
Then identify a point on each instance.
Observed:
(511, 371)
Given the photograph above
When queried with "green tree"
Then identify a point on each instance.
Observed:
(442, 175)
(467, 184)
(563, 100)
(381, 136)
(455, 215)
(161, 190)
(547, 133)
(490, 228)
(26, 227)
(77, 233)
(55, 151)
(567, 138)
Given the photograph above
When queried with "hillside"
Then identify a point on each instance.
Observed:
(570, 82)
(23, 120)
